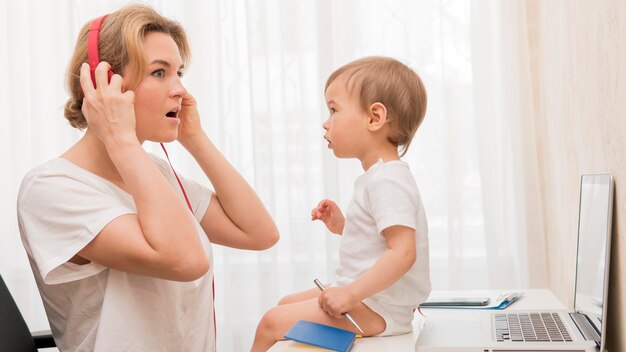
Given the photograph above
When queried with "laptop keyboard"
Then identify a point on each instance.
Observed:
(539, 327)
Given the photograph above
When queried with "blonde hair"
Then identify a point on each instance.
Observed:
(393, 84)
(120, 43)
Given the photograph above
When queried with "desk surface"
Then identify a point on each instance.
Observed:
(533, 299)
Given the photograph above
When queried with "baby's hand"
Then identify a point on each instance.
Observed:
(336, 300)
(330, 214)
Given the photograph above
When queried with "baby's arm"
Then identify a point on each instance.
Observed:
(330, 214)
(389, 268)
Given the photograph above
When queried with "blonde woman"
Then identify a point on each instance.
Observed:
(120, 251)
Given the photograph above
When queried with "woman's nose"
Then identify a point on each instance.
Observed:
(178, 89)
(326, 124)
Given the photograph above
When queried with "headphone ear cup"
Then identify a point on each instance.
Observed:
(92, 70)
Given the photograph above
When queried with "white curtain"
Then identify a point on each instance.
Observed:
(258, 70)
(508, 144)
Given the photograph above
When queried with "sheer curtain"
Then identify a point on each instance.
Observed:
(258, 70)
(514, 225)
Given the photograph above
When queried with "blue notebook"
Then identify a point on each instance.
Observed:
(321, 335)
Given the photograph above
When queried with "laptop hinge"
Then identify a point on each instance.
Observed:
(586, 328)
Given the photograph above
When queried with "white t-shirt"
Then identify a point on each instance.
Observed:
(386, 195)
(61, 208)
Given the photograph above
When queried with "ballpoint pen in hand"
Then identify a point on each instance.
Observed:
(321, 287)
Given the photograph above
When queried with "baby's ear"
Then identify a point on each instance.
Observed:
(377, 116)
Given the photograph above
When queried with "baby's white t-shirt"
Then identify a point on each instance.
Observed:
(61, 208)
(386, 195)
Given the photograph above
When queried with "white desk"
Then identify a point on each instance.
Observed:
(533, 299)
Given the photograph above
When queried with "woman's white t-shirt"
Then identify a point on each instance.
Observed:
(61, 208)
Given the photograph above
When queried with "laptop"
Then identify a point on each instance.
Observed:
(583, 329)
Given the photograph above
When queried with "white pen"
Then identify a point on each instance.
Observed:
(321, 287)
(507, 297)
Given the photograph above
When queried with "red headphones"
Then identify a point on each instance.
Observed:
(92, 48)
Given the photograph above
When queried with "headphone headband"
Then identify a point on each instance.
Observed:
(92, 47)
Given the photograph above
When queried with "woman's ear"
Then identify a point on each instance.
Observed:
(377, 116)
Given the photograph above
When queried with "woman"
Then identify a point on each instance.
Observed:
(120, 260)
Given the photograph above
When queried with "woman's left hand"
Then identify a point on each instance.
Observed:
(189, 119)
(337, 300)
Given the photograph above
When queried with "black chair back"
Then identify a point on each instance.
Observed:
(14, 333)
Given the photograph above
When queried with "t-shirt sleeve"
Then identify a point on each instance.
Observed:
(198, 194)
(391, 203)
(59, 215)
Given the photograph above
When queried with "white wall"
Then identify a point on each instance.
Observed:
(578, 67)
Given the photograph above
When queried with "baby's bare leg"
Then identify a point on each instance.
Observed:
(300, 296)
(278, 320)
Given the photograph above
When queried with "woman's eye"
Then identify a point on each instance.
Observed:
(332, 110)
(180, 74)
(159, 73)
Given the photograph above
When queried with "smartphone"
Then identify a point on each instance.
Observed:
(457, 301)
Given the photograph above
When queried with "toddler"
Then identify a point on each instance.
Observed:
(376, 104)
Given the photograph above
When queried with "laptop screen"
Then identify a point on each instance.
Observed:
(594, 236)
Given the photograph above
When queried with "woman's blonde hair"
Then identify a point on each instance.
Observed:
(120, 43)
(387, 81)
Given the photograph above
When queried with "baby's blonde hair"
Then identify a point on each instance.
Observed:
(120, 43)
(387, 81)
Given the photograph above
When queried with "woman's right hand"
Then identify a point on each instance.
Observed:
(330, 214)
(110, 113)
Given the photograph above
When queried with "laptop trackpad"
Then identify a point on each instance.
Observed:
(452, 328)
